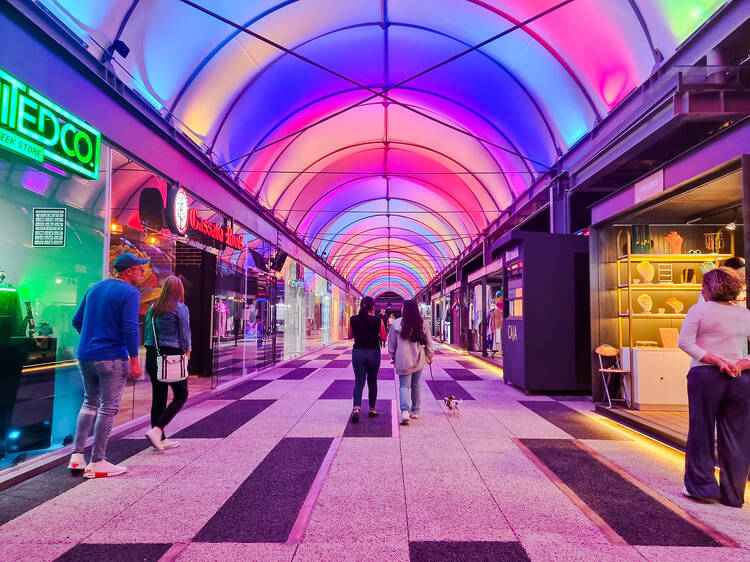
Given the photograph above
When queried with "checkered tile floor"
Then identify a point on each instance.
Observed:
(273, 469)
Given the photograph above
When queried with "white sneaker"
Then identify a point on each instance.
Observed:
(168, 444)
(414, 416)
(154, 437)
(77, 462)
(102, 469)
(405, 417)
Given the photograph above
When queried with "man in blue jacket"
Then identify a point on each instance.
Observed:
(107, 320)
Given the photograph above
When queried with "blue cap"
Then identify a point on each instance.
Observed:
(126, 260)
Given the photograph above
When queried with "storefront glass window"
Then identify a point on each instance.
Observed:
(54, 236)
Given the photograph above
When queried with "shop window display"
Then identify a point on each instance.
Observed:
(654, 277)
(54, 234)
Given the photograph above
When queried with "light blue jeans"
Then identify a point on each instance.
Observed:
(406, 382)
(103, 383)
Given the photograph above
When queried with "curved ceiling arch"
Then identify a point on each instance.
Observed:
(512, 151)
(389, 191)
(418, 187)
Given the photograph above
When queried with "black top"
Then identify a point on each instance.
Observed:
(366, 330)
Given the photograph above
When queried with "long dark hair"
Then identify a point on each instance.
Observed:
(412, 325)
(367, 306)
(172, 292)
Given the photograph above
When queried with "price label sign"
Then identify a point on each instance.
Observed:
(49, 227)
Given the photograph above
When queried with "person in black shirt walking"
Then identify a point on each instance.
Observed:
(368, 331)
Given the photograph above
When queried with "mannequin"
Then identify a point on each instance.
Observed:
(496, 324)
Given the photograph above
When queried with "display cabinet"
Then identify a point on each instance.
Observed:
(654, 293)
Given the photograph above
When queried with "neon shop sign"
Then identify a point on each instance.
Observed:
(39, 129)
(221, 234)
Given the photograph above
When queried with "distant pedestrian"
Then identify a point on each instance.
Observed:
(715, 334)
(367, 331)
(107, 320)
(391, 320)
(171, 322)
(384, 319)
(410, 348)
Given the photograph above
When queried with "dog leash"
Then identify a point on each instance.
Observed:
(450, 399)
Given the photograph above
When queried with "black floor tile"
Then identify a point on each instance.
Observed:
(339, 390)
(226, 421)
(476, 551)
(266, 505)
(297, 374)
(461, 374)
(130, 552)
(634, 515)
(337, 364)
(379, 426)
(575, 424)
(442, 389)
(242, 390)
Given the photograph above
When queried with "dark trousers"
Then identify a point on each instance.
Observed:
(366, 363)
(161, 414)
(717, 400)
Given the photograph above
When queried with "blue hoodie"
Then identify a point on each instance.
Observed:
(107, 320)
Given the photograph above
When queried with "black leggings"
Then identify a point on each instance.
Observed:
(161, 414)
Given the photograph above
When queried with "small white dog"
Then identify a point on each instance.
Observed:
(454, 405)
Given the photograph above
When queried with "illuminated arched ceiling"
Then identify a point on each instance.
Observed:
(327, 117)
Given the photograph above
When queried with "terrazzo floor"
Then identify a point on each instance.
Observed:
(273, 469)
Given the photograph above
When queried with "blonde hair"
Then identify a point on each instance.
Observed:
(172, 292)
(722, 284)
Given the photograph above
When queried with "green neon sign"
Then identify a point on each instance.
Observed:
(37, 128)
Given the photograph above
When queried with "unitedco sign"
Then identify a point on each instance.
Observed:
(37, 128)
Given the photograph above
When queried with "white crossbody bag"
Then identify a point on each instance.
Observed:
(169, 368)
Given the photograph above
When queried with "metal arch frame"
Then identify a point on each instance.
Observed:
(364, 244)
(268, 67)
(375, 145)
(363, 276)
(514, 151)
(644, 26)
(427, 149)
(427, 185)
(479, 3)
(326, 247)
(367, 238)
(371, 288)
(427, 261)
(375, 261)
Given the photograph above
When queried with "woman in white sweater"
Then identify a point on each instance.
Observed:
(715, 334)
(410, 348)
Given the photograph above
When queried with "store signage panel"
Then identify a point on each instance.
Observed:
(649, 186)
(512, 254)
(184, 220)
(49, 227)
(37, 128)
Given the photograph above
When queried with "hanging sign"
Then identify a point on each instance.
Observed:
(184, 220)
(649, 186)
(37, 128)
(221, 234)
(512, 254)
(49, 227)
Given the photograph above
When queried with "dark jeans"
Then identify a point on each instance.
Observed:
(161, 414)
(716, 399)
(366, 363)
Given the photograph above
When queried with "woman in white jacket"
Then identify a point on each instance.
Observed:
(410, 347)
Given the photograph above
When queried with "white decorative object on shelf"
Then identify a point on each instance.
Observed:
(664, 272)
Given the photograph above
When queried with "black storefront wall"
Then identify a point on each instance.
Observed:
(546, 331)
(197, 268)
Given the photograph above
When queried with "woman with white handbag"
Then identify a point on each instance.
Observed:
(168, 348)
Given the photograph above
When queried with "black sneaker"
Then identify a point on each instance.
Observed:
(372, 414)
(355, 416)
